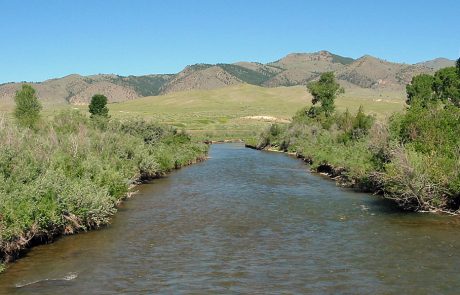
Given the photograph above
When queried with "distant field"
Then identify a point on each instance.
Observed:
(226, 112)
(235, 112)
(220, 113)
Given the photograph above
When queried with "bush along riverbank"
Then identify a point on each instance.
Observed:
(68, 174)
(413, 158)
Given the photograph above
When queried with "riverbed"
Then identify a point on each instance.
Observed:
(246, 221)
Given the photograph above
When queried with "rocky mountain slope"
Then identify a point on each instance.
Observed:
(293, 69)
(371, 72)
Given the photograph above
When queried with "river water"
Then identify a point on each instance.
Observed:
(249, 222)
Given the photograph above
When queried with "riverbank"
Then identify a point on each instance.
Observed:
(71, 173)
(338, 174)
(401, 159)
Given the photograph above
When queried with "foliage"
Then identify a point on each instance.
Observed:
(270, 136)
(355, 127)
(98, 106)
(422, 182)
(447, 85)
(444, 86)
(27, 111)
(324, 91)
(420, 90)
(431, 141)
(150, 132)
(70, 174)
(361, 123)
(337, 140)
(423, 172)
(348, 126)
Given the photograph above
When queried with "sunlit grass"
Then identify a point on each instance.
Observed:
(220, 113)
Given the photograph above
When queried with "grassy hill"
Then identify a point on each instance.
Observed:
(242, 110)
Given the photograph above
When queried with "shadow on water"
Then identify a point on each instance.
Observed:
(387, 206)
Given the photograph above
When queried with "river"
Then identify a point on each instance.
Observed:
(247, 221)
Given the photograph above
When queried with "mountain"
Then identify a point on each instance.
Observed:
(76, 89)
(299, 68)
(293, 69)
(371, 72)
(438, 63)
(200, 76)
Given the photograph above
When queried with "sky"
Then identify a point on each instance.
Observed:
(40, 40)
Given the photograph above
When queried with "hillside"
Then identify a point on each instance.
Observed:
(291, 70)
(78, 89)
(299, 68)
(201, 76)
(371, 72)
(437, 63)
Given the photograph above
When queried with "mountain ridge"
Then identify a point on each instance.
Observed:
(290, 70)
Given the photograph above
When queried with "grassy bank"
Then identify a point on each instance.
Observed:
(419, 174)
(328, 146)
(70, 173)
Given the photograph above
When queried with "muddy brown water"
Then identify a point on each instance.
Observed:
(248, 222)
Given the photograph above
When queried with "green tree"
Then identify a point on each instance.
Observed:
(447, 85)
(324, 91)
(98, 106)
(420, 90)
(27, 111)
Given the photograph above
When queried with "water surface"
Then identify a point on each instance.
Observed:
(248, 222)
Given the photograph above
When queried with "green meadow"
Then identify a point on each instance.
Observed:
(237, 112)
(242, 111)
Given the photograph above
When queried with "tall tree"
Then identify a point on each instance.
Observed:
(420, 90)
(98, 106)
(324, 91)
(27, 111)
(447, 85)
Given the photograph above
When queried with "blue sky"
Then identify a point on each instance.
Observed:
(45, 39)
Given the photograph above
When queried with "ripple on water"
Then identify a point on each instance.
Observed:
(48, 281)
